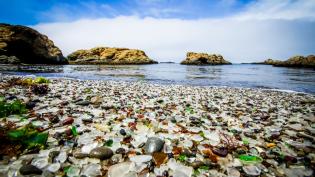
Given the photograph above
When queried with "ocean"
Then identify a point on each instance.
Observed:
(236, 75)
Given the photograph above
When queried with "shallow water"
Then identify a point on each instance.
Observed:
(237, 75)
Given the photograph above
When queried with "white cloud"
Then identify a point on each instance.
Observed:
(280, 9)
(250, 36)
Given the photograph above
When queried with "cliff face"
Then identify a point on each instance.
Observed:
(193, 58)
(106, 55)
(21, 44)
(296, 61)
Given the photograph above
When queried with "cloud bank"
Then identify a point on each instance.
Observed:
(265, 30)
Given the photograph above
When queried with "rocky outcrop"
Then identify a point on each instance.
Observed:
(21, 44)
(193, 58)
(270, 62)
(107, 55)
(296, 61)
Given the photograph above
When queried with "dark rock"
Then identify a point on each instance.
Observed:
(123, 132)
(101, 153)
(21, 44)
(83, 103)
(30, 105)
(120, 151)
(221, 151)
(30, 170)
(153, 144)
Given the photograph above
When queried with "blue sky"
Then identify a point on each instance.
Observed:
(30, 12)
(240, 30)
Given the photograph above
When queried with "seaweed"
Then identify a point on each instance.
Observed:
(230, 142)
(9, 108)
(39, 89)
(28, 137)
(41, 80)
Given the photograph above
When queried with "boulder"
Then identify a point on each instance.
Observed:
(193, 58)
(107, 55)
(21, 44)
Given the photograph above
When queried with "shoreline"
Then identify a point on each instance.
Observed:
(32, 75)
(154, 129)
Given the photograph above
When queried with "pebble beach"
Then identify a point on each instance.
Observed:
(130, 129)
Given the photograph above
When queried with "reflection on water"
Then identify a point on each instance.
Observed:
(247, 75)
(203, 72)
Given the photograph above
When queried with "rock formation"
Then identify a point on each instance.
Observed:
(107, 55)
(21, 44)
(193, 58)
(296, 61)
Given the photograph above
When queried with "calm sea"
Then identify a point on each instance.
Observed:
(236, 75)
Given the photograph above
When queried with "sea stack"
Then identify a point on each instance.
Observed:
(193, 58)
(21, 44)
(296, 61)
(112, 56)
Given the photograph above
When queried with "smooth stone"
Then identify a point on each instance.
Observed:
(73, 171)
(80, 155)
(30, 170)
(121, 151)
(233, 172)
(92, 170)
(123, 132)
(83, 103)
(53, 167)
(296, 127)
(140, 158)
(120, 170)
(40, 162)
(96, 100)
(251, 170)
(153, 144)
(62, 157)
(101, 153)
(30, 105)
(116, 158)
(221, 151)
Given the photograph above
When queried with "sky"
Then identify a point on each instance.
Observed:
(240, 30)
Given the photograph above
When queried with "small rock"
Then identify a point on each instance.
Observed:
(80, 155)
(121, 151)
(67, 121)
(233, 172)
(96, 100)
(30, 170)
(140, 158)
(251, 170)
(62, 157)
(115, 159)
(101, 153)
(123, 132)
(221, 151)
(30, 105)
(92, 170)
(83, 103)
(53, 167)
(153, 144)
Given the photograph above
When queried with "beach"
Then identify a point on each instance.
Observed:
(116, 128)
